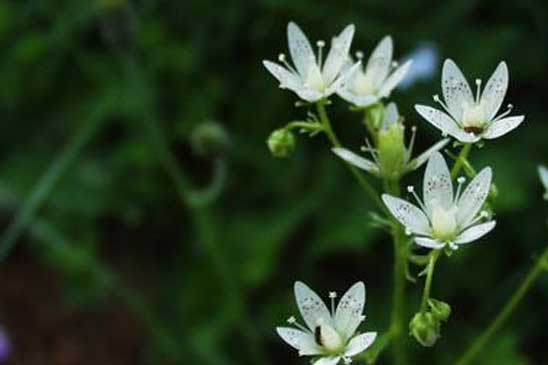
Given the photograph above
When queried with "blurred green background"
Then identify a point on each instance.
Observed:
(148, 235)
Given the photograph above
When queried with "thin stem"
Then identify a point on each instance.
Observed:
(433, 258)
(511, 305)
(462, 160)
(397, 321)
(43, 188)
(369, 190)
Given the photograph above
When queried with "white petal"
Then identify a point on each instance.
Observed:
(502, 126)
(423, 157)
(473, 197)
(543, 173)
(437, 186)
(428, 242)
(380, 61)
(309, 95)
(394, 79)
(338, 54)
(407, 214)
(475, 232)
(343, 79)
(311, 306)
(360, 343)
(300, 340)
(356, 160)
(300, 49)
(456, 90)
(495, 90)
(348, 315)
(391, 115)
(286, 78)
(357, 100)
(328, 360)
(444, 123)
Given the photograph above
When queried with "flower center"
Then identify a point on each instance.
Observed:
(314, 78)
(473, 118)
(327, 337)
(444, 223)
(364, 85)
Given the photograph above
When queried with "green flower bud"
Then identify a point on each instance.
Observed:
(374, 116)
(281, 143)
(209, 139)
(425, 328)
(392, 150)
(440, 310)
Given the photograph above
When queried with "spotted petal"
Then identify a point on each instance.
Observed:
(378, 65)
(502, 126)
(437, 186)
(338, 54)
(311, 306)
(456, 90)
(474, 196)
(356, 160)
(300, 340)
(495, 90)
(407, 214)
(300, 49)
(475, 232)
(360, 343)
(348, 315)
(445, 124)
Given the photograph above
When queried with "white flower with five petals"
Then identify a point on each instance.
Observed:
(380, 76)
(470, 118)
(329, 334)
(311, 78)
(444, 218)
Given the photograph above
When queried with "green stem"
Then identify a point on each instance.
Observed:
(397, 321)
(43, 188)
(369, 190)
(433, 258)
(461, 160)
(508, 309)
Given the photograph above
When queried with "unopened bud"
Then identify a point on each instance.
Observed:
(425, 328)
(281, 143)
(392, 151)
(440, 310)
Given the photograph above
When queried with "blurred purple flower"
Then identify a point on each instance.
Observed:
(425, 61)
(5, 345)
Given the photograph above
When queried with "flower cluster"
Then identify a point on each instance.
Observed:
(450, 214)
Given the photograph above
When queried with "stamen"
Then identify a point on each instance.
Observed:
(320, 44)
(332, 296)
(453, 246)
(283, 60)
(359, 55)
(482, 215)
(442, 103)
(394, 64)
(291, 320)
(347, 360)
(411, 189)
(372, 151)
(412, 141)
(460, 182)
(508, 111)
(478, 90)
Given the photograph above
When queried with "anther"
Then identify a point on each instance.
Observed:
(332, 294)
(281, 57)
(291, 320)
(484, 214)
(436, 98)
(395, 64)
(408, 232)
(461, 180)
(359, 55)
(320, 43)
(410, 188)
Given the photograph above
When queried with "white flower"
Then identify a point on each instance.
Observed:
(380, 77)
(329, 334)
(311, 79)
(384, 162)
(469, 118)
(543, 173)
(444, 218)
